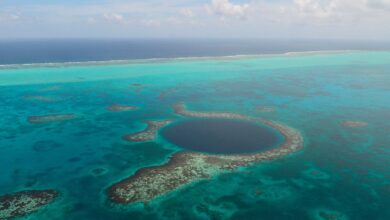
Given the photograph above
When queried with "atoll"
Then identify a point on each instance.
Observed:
(354, 124)
(149, 133)
(121, 108)
(25, 202)
(51, 118)
(187, 166)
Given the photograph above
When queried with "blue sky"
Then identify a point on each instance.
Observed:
(351, 19)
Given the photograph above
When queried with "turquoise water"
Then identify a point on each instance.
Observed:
(341, 170)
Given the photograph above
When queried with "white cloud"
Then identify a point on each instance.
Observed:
(379, 4)
(4, 17)
(312, 7)
(114, 17)
(316, 12)
(91, 20)
(186, 12)
(225, 8)
(151, 22)
(14, 17)
(340, 8)
(263, 18)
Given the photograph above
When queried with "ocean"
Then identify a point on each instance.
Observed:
(337, 100)
(22, 51)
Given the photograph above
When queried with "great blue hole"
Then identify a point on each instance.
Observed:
(221, 136)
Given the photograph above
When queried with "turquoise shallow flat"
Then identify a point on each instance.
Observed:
(79, 128)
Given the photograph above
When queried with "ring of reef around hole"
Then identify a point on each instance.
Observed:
(185, 167)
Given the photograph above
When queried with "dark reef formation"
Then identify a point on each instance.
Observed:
(25, 202)
(40, 98)
(50, 88)
(149, 133)
(167, 92)
(330, 215)
(354, 124)
(99, 171)
(265, 109)
(120, 108)
(137, 87)
(45, 145)
(51, 118)
(186, 166)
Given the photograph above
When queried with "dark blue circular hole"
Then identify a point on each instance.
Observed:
(221, 136)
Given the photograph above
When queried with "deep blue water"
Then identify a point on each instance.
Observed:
(220, 136)
(76, 50)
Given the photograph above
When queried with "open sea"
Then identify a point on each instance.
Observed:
(342, 173)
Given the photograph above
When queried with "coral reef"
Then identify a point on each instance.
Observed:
(265, 109)
(354, 124)
(45, 145)
(207, 211)
(149, 133)
(99, 171)
(24, 202)
(41, 98)
(167, 92)
(313, 173)
(137, 87)
(186, 166)
(180, 109)
(330, 215)
(50, 88)
(120, 108)
(51, 118)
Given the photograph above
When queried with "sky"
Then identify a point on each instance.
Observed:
(330, 19)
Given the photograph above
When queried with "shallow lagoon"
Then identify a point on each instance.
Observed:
(342, 170)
